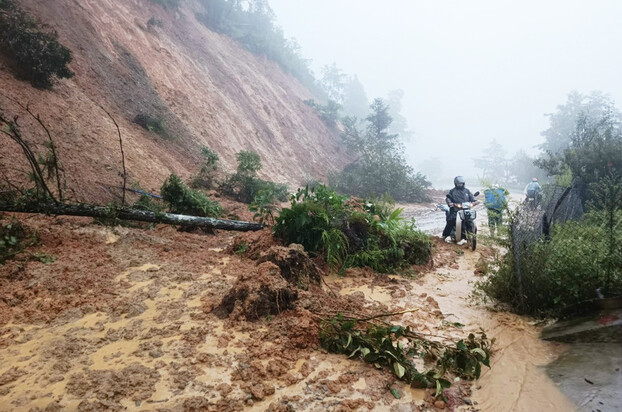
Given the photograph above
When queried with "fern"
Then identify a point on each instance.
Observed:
(336, 244)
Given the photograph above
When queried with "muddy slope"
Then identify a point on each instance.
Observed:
(206, 88)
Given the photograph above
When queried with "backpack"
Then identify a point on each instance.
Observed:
(495, 199)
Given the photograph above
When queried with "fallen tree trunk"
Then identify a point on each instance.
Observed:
(132, 214)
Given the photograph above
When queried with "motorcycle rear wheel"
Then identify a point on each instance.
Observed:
(472, 239)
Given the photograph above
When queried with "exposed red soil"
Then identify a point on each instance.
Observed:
(209, 91)
(125, 317)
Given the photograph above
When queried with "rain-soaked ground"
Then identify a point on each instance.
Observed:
(588, 374)
(122, 320)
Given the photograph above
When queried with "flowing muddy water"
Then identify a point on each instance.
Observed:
(153, 343)
(517, 379)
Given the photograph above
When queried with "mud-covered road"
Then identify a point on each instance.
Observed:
(122, 320)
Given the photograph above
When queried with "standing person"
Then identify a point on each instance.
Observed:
(495, 204)
(459, 194)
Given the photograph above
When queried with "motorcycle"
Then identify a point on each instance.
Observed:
(465, 223)
(533, 200)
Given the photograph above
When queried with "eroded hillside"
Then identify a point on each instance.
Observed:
(207, 89)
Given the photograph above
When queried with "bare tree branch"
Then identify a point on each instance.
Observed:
(122, 153)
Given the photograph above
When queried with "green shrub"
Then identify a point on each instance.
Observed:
(14, 238)
(264, 207)
(250, 187)
(207, 174)
(348, 233)
(153, 124)
(181, 199)
(560, 273)
(146, 202)
(556, 275)
(244, 185)
(249, 162)
(329, 113)
(154, 22)
(32, 49)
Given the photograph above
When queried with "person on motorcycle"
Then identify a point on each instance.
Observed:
(533, 190)
(495, 204)
(458, 195)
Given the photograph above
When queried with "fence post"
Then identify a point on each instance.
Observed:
(517, 264)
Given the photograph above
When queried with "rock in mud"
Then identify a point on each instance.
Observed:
(108, 387)
(296, 266)
(258, 294)
(11, 376)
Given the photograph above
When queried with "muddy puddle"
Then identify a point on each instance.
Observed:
(153, 343)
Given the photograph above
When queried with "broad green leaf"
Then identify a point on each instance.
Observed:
(371, 357)
(395, 393)
(480, 352)
(354, 352)
(445, 383)
(439, 389)
(399, 370)
(391, 354)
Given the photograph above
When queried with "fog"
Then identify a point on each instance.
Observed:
(471, 71)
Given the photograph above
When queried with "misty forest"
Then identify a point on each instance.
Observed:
(227, 205)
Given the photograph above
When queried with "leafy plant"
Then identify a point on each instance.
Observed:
(329, 113)
(181, 199)
(560, 274)
(155, 124)
(146, 202)
(394, 347)
(14, 238)
(348, 233)
(44, 258)
(207, 174)
(264, 207)
(244, 185)
(33, 48)
(249, 162)
(241, 249)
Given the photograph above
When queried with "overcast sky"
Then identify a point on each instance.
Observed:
(471, 70)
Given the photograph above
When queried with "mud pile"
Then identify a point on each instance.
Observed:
(258, 294)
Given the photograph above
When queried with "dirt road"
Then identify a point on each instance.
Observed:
(122, 320)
